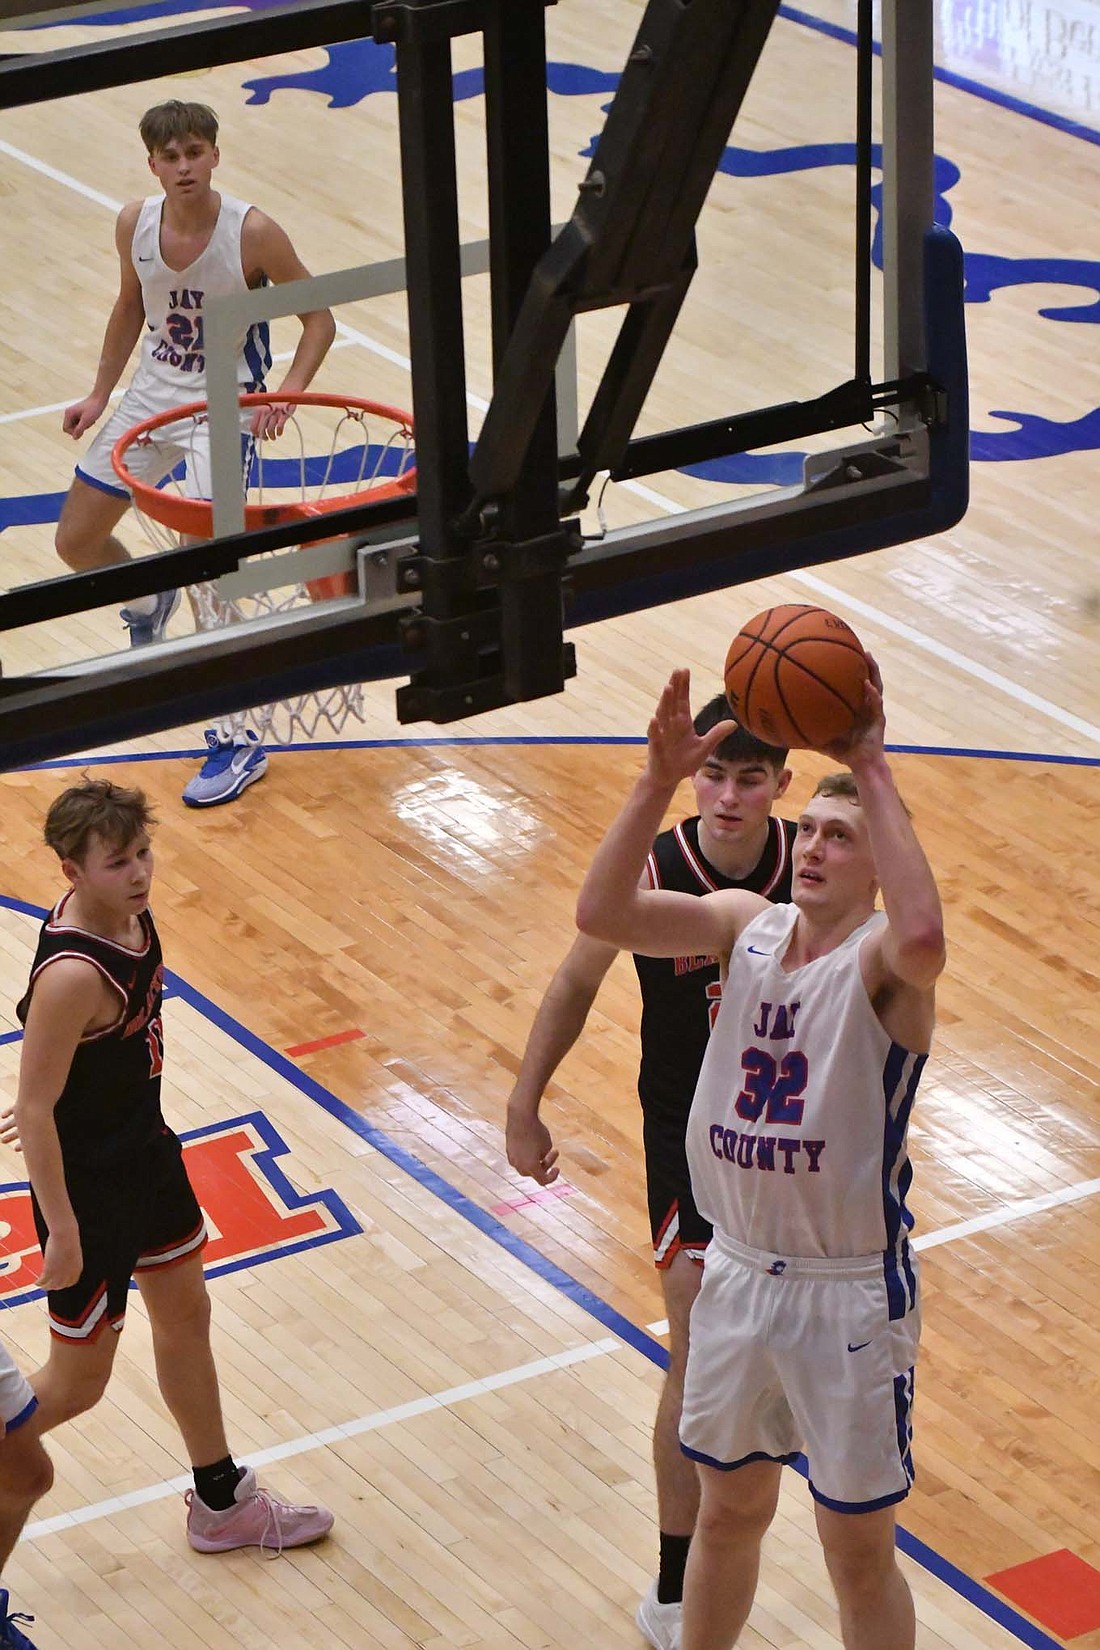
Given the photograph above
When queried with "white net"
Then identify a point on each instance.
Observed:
(338, 451)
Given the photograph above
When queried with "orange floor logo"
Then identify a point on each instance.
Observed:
(252, 1210)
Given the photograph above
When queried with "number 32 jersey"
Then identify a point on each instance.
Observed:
(109, 1108)
(797, 1134)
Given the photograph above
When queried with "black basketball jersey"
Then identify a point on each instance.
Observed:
(109, 1108)
(680, 995)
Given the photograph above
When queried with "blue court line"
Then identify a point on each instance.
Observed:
(473, 741)
(948, 77)
(974, 1593)
(491, 1227)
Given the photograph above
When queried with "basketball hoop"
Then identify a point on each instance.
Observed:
(369, 455)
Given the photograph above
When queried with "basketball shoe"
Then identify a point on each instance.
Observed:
(258, 1518)
(232, 765)
(659, 1623)
(150, 627)
(11, 1636)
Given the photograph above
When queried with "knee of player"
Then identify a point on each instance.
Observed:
(187, 1320)
(74, 548)
(42, 1476)
(80, 1396)
(26, 1470)
(67, 546)
(75, 1391)
(858, 1564)
(38, 1474)
(730, 1517)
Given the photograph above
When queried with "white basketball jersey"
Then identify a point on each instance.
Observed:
(796, 1139)
(173, 350)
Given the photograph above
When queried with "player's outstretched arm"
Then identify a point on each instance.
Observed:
(266, 249)
(557, 1025)
(912, 945)
(123, 330)
(63, 1003)
(612, 906)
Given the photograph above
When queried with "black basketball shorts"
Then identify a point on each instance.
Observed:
(132, 1219)
(674, 1220)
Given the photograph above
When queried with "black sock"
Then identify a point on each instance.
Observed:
(670, 1577)
(216, 1485)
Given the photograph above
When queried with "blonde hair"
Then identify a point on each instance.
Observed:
(845, 785)
(838, 784)
(97, 808)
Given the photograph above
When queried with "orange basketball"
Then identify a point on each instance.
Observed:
(795, 676)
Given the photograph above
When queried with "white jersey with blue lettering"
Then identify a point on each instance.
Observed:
(173, 349)
(797, 1134)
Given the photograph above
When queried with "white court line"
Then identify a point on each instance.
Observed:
(837, 598)
(331, 1435)
(1011, 1211)
(494, 1383)
(63, 178)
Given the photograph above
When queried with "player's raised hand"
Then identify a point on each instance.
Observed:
(867, 738)
(676, 751)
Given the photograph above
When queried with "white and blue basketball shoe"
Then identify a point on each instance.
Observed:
(150, 627)
(12, 1636)
(232, 765)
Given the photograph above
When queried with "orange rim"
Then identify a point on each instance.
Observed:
(195, 516)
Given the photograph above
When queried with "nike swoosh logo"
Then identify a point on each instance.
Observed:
(147, 260)
(858, 1348)
(757, 952)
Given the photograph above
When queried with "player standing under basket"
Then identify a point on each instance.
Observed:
(734, 841)
(177, 250)
(805, 1330)
(112, 1200)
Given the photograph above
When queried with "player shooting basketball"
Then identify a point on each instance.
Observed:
(804, 1334)
(177, 251)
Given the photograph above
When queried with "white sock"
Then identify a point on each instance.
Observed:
(142, 606)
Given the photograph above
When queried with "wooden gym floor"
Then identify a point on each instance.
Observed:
(396, 1325)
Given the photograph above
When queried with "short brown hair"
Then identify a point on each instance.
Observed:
(844, 784)
(96, 808)
(174, 121)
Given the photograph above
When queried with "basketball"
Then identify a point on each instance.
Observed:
(795, 677)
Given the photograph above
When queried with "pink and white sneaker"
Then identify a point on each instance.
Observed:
(258, 1518)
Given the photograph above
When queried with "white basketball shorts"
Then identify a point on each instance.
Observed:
(187, 442)
(17, 1400)
(791, 1355)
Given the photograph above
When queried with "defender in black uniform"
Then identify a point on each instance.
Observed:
(733, 842)
(130, 1194)
(112, 1200)
(680, 998)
